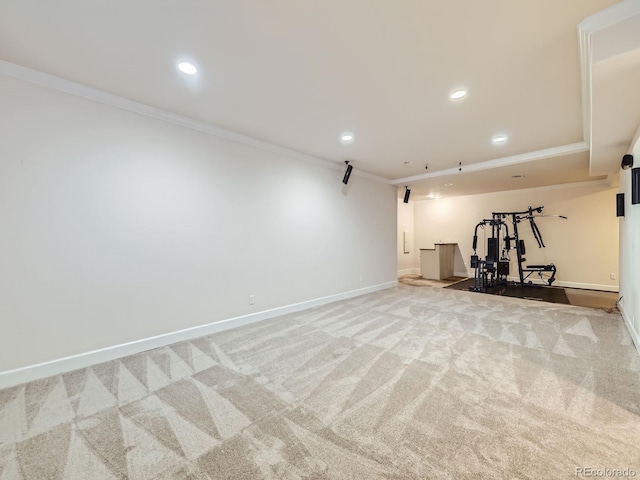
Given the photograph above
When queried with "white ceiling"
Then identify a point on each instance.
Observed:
(297, 73)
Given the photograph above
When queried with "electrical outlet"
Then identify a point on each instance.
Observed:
(252, 299)
(612, 276)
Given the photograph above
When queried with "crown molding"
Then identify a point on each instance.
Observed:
(67, 86)
(501, 162)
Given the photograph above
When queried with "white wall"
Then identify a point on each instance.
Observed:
(118, 227)
(584, 248)
(406, 261)
(630, 254)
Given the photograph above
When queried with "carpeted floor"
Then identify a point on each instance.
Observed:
(405, 383)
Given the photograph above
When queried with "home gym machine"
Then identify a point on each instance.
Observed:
(493, 270)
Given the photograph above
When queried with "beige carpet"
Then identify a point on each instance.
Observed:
(405, 383)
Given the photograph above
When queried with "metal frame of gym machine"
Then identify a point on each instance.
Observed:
(494, 269)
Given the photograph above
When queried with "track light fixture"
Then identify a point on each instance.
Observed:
(347, 172)
(407, 194)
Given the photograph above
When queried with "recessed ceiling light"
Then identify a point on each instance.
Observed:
(408, 162)
(347, 137)
(499, 139)
(517, 176)
(448, 184)
(188, 68)
(457, 94)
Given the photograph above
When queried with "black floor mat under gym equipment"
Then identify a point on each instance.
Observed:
(530, 292)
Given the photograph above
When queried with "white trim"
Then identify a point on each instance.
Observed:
(501, 162)
(560, 283)
(462, 274)
(584, 39)
(610, 16)
(79, 90)
(587, 286)
(55, 367)
(613, 179)
(408, 271)
(599, 21)
(632, 331)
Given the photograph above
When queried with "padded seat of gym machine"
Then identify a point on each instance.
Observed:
(548, 268)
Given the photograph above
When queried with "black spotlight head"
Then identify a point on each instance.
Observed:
(407, 194)
(347, 173)
(627, 162)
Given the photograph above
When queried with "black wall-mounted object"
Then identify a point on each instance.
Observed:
(347, 173)
(635, 185)
(620, 205)
(407, 194)
(627, 161)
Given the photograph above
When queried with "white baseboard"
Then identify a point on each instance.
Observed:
(557, 283)
(587, 286)
(408, 271)
(632, 331)
(18, 376)
(416, 271)
(560, 283)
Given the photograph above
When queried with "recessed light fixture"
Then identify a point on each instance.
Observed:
(517, 176)
(408, 162)
(347, 137)
(498, 139)
(458, 94)
(448, 184)
(188, 68)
